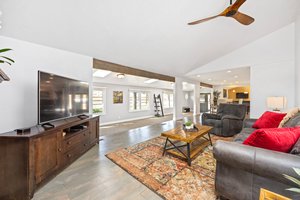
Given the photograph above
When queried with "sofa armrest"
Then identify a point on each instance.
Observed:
(211, 116)
(262, 162)
(248, 123)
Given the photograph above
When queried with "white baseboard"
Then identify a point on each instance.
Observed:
(127, 120)
(124, 120)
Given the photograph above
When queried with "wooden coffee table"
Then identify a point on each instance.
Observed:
(190, 143)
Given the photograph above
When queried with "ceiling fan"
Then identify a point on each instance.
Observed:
(231, 11)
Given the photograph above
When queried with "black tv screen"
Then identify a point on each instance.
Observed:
(60, 97)
(242, 95)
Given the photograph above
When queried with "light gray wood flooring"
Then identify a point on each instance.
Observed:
(93, 176)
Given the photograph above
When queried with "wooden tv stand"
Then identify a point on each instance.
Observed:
(29, 160)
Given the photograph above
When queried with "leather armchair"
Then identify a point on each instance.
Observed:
(242, 170)
(228, 121)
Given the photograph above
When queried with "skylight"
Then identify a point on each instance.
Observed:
(150, 81)
(101, 73)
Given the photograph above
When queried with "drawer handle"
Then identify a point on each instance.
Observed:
(69, 155)
(84, 134)
(68, 142)
(85, 145)
(59, 149)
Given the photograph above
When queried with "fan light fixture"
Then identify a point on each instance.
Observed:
(120, 76)
(233, 12)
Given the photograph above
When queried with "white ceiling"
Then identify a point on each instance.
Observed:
(230, 78)
(150, 35)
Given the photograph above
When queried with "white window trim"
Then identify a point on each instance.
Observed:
(139, 91)
(104, 99)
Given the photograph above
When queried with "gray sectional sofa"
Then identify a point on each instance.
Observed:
(243, 170)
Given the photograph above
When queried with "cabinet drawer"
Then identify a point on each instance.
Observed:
(75, 140)
(76, 152)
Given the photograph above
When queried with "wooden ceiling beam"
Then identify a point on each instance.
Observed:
(104, 65)
(206, 85)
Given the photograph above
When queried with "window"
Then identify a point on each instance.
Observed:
(168, 99)
(139, 101)
(99, 100)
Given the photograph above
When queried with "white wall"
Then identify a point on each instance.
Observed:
(271, 60)
(120, 112)
(271, 80)
(18, 102)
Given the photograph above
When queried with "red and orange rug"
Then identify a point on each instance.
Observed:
(169, 177)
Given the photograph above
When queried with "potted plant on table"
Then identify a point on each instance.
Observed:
(188, 125)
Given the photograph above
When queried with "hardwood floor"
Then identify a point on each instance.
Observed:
(93, 176)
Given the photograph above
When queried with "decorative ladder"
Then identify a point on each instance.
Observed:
(158, 108)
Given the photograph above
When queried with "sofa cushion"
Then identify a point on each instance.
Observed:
(276, 139)
(294, 121)
(243, 135)
(296, 148)
(289, 115)
(269, 120)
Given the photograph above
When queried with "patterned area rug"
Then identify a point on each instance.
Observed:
(169, 177)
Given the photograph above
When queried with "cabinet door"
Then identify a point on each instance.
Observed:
(47, 155)
(94, 130)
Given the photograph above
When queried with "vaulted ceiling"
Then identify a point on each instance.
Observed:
(150, 35)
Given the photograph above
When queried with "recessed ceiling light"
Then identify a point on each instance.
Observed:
(120, 76)
(150, 81)
(236, 82)
(225, 80)
(228, 71)
(198, 76)
(184, 83)
(235, 76)
(209, 79)
(101, 73)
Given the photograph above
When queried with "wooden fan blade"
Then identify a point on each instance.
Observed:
(237, 4)
(243, 18)
(203, 20)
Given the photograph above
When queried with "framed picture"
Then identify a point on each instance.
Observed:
(117, 97)
(224, 93)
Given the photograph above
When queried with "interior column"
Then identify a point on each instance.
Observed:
(178, 99)
(197, 99)
(297, 61)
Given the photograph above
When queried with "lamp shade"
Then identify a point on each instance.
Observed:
(276, 103)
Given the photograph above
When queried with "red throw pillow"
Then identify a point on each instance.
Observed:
(276, 139)
(269, 120)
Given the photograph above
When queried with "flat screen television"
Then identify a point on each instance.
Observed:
(60, 97)
(240, 95)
